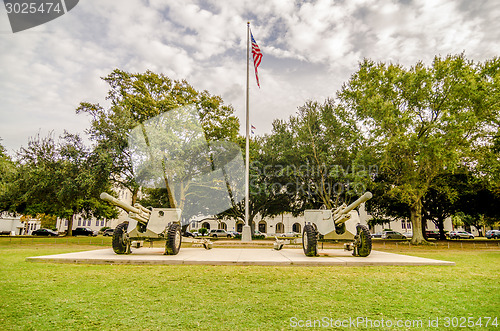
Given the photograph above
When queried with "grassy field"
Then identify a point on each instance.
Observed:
(38, 296)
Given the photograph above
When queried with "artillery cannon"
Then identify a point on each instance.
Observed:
(148, 225)
(327, 221)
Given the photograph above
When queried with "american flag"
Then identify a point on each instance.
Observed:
(257, 57)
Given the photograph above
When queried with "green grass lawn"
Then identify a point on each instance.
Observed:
(39, 296)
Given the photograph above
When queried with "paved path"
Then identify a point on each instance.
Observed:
(238, 256)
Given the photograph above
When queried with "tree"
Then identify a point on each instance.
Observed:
(422, 121)
(315, 153)
(384, 207)
(135, 98)
(47, 221)
(442, 198)
(60, 179)
(7, 173)
(308, 161)
(478, 203)
(267, 197)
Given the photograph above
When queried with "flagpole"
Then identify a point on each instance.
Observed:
(246, 235)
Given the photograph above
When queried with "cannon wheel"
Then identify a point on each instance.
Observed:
(121, 242)
(363, 241)
(310, 240)
(174, 239)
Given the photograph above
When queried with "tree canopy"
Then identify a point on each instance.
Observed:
(424, 139)
(7, 173)
(62, 179)
(421, 121)
(137, 97)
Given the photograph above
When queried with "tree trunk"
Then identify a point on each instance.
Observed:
(134, 195)
(69, 232)
(440, 225)
(416, 223)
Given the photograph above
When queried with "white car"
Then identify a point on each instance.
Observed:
(219, 234)
(393, 235)
(461, 235)
(290, 235)
(408, 234)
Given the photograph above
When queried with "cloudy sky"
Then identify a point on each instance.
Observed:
(309, 49)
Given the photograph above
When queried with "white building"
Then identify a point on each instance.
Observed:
(10, 225)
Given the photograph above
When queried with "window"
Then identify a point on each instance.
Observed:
(262, 226)
(79, 222)
(66, 223)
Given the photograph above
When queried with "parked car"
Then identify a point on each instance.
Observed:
(493, 234)
(393, 235)
(408, 234)
(44, 232)
(461, 235)
(219, 233)
(377, 235)
(432, 234)
(290, 234)
(84, 232)
(259, 235)
(108, 232)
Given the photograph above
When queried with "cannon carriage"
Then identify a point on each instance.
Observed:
(333, 223)
(326, 221)
(146, 225)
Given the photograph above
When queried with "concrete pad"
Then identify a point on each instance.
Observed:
(238, 256)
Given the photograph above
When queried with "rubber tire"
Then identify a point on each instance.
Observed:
(120, 247)
(365, 240)
(310, 240)
(174, 239)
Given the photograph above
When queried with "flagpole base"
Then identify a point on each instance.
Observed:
(246, 234)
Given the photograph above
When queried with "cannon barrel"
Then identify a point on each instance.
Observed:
(340, 213)
(137, 212)
(125, 206)
(365, 197)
